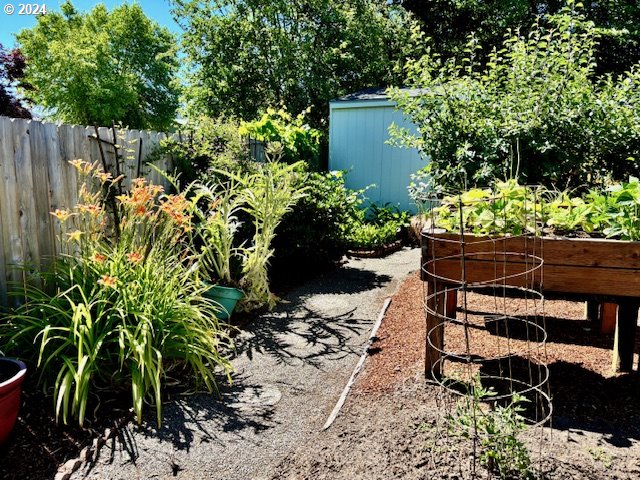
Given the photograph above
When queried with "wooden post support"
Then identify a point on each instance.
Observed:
(592, 311)
(452, 304)
(608, 314)
(625, 338)
(436, 303)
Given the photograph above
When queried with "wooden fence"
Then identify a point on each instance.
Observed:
(36, 179)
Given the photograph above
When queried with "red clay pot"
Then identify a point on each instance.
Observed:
(12, 374)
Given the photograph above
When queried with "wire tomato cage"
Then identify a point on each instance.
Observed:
(485, 324)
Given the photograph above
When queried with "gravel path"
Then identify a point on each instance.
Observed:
(291, 366)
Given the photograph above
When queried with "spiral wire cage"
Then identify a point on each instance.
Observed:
(486, 332)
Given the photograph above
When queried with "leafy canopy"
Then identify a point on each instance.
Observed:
(450, 22)
(248, 55)
(103, 66)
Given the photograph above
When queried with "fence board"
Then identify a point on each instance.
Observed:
(9, 205)
(4, 226)
(40, 173)
(26, 204)
(66, 147)
(133, 149)
(3, 273)
(36, 179)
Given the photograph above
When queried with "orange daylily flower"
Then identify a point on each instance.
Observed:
(140, 210)
(91, 208)
(103, 176)
(108, 281)
(134, 257)
(98, 257)
(138, 182)
(83, 166)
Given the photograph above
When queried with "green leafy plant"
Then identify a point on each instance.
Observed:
(371, 236)
(616, 210)
(375, 227)
(298, 140)
(508, 208)
(270, 194)
(496, 427)
(219, 224)
(124, 306)
(565, 214)
(599, 454)
(387, 213)
(208, 144)
(230, 256)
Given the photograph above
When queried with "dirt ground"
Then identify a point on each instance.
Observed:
(393, 426)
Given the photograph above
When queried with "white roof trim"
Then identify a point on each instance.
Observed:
(338, 105)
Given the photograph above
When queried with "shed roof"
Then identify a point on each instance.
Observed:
(375, 94)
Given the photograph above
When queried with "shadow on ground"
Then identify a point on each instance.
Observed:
(346, 280)
(311, 333)
(314, 324)
(302, 335)
(559, 330)
(240, 409)
(583, 399)
(586, 400)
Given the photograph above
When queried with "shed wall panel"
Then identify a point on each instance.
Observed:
(358, 143)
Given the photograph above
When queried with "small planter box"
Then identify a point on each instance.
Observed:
(379, 252)
(602, 270)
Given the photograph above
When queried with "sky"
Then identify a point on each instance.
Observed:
(157, 10)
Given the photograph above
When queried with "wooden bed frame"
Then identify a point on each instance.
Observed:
(604, 272)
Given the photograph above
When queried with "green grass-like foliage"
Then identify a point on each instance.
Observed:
(264, 195)
(122, 307)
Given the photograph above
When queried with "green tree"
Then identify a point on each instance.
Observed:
(247, 55)
(102, 66)
(450, 22)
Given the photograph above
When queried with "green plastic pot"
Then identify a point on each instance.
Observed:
(226, 297)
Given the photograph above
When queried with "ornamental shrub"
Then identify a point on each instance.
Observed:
(313, 235)
(208, 144)
(327, 222)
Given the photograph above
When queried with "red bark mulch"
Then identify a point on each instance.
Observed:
(583, 385)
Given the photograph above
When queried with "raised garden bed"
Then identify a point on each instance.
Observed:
(599, 270)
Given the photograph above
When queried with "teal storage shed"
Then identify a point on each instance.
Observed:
(358, 133)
